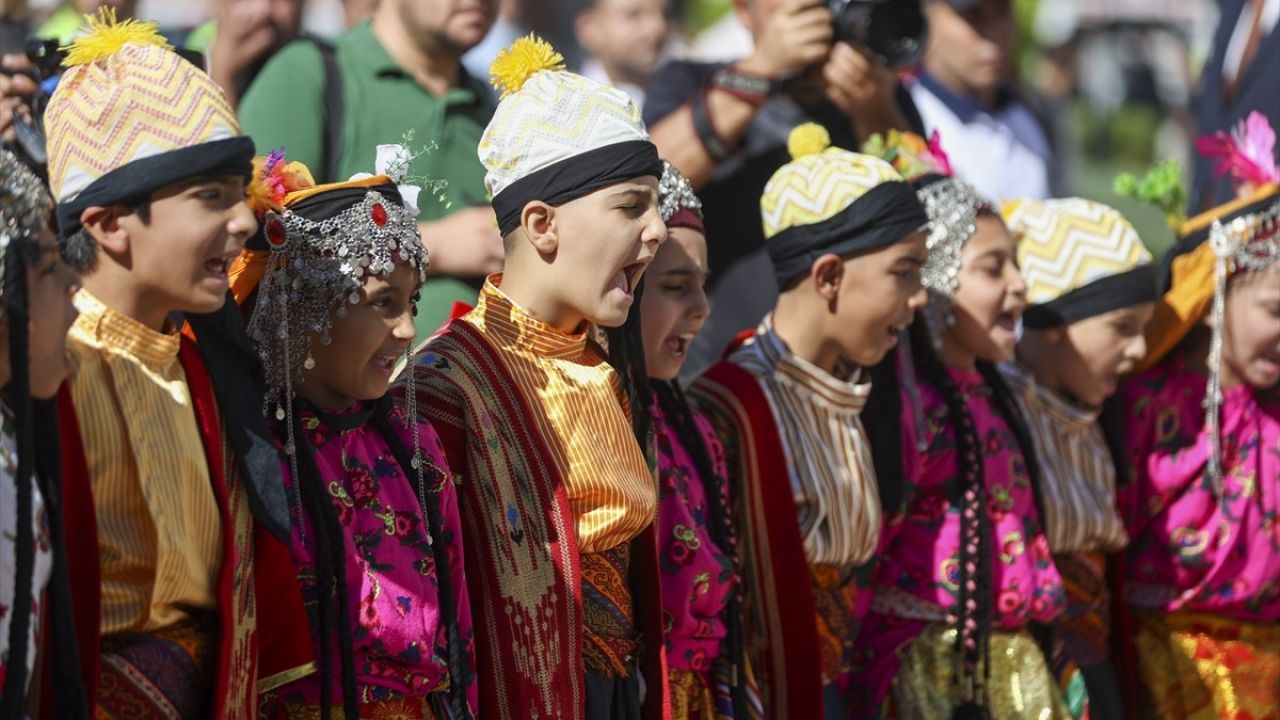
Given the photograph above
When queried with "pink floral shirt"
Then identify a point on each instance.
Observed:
(917, 580)
(399, 635)
(1192, 550)
(698, 576)
(919, 568)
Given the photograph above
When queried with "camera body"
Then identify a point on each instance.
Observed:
(46, 59)
(893, 31)
(46, 56)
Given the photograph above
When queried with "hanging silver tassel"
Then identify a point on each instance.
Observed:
(1220, 241)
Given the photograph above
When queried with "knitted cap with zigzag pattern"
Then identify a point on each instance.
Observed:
(127, 96)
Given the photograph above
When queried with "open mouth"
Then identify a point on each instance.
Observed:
(629, 276)
(678, 345)
(386, 363)
(1008, 321)
(217, 267)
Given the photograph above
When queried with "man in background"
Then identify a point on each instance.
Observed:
(242, 37)
(399, 71)
(624, 42)
(992, 136)
(1241, 75)
(725, 127)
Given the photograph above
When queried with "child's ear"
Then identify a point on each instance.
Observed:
(827, 273)
(103, 225)
(538, 219)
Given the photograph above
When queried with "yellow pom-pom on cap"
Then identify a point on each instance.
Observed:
(106, 37)
(1009, 208)
(526, 57)
(808, 139)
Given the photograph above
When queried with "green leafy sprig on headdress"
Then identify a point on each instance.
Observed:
(1162, 186)
(437, 187)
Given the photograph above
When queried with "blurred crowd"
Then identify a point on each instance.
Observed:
(1080, 90)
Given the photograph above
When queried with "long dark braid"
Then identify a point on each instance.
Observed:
(676, 408)
(19, 400)
(71, 701)
(626, 355)
(885, 440)
(974, 597)
(1008, 408)
(329, 552)
(459, 669)
(1002, 395)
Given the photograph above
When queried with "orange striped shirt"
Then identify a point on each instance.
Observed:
(159, 527)
(578, 402)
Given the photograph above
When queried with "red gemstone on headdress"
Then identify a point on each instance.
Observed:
(379, 215)
(275, 232)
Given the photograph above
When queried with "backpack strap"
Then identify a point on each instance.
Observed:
(334, 108)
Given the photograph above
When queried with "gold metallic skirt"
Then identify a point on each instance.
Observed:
(1203, 667)
(1020, 685)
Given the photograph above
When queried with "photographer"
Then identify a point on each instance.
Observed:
(26, 82)
(725, 127)
(16, 90)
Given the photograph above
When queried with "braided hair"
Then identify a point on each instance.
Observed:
(626, 356)
(38, 464)
(19, 400)
(460, 674)
(976, 592)
(679, 414)
(329, 552)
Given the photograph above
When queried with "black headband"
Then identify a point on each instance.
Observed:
(136, 180)
(1103, 295)
(573, 177)
(885, 215)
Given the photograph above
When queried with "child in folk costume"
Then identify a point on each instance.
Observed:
(965, 571)
(546, 435)
(697, 540)
(373, 508)
(1202, 582)
(35, 313)
(845, 237)
(1091, 288)
(164, 447)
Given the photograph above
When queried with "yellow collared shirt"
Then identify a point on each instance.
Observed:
(578, 404)
(159, 526)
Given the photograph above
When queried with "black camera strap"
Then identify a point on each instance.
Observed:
(334, 108)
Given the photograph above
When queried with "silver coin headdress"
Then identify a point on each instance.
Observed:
(25, 206)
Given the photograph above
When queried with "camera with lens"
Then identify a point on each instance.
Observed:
(893, 31)
(46, 59)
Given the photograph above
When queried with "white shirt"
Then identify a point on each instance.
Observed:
(592, 69)
(1004, 152)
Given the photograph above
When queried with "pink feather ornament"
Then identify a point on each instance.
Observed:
(1248, 153)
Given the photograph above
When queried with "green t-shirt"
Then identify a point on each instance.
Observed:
(285, 108)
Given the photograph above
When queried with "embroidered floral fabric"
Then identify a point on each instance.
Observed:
(697, 575)
(1192, 550)
(399, 636)
(918, 571)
